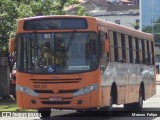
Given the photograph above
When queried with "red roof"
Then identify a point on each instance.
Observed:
(125, 1)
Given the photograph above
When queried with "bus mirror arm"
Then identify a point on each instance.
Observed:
(102, 68)
(11, 45)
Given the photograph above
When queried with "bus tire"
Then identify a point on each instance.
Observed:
(137, 106)
(109, 109)
(45, 112)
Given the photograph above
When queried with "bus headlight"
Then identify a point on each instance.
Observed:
(85, 90)
(88, 88)
(91, 87)
(26, 90)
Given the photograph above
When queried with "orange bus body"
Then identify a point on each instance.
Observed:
(119, 82)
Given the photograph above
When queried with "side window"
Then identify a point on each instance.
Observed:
(101, 36)
(130, 49)
(152, 55)
(134, 50)
(127, 48)
(137, 50)
(111, 40)
(115, 46)
(123, 42)
(119, 47)
(140, 51)
(104, 55)
(148, 52)
(143, 51)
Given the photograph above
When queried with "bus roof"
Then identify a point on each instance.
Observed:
(109, 25)
(56, 16)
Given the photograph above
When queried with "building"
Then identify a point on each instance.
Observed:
(150, 21)
(127, 15)
(123, 12)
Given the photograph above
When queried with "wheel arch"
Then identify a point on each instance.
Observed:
(113, 93)
(143, 89)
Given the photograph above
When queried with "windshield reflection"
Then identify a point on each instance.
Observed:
(57, 52)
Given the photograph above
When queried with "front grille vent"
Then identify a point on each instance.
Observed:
(51, 81)
(56, 103)
(59, 92)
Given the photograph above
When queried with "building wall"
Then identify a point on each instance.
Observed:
(128, 21)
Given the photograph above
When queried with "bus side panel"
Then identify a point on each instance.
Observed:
(150, 85)
(96, 95)
(105, 96)
(114, 78)
(19, 99)
(132, 87)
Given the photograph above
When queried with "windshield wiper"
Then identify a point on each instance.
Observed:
(70, 40)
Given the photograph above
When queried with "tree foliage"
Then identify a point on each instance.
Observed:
(8, 15)
(11, 10)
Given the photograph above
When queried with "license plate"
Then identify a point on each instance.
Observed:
(55, 99)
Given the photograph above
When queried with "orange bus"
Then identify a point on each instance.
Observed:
(81, 63)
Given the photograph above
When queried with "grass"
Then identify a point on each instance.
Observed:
(8, 107)
(13, 108)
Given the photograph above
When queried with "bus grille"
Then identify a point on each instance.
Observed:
(58, 81)
(59, 92)
(53, 102)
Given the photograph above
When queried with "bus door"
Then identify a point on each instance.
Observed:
(104, 55)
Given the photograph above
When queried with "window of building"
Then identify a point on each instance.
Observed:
(137, 21)
(118, 22)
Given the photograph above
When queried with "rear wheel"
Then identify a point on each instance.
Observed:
(45, 112)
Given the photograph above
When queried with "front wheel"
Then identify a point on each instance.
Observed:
(45, 112)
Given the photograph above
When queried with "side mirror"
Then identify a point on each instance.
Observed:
(105, 45)
(11, 45)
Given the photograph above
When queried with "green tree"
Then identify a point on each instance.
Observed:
(155, 30)
(8, 16)
(152, 29)
(135, 25)
(11, 10)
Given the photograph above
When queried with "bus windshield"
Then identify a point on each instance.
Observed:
(50, 53)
